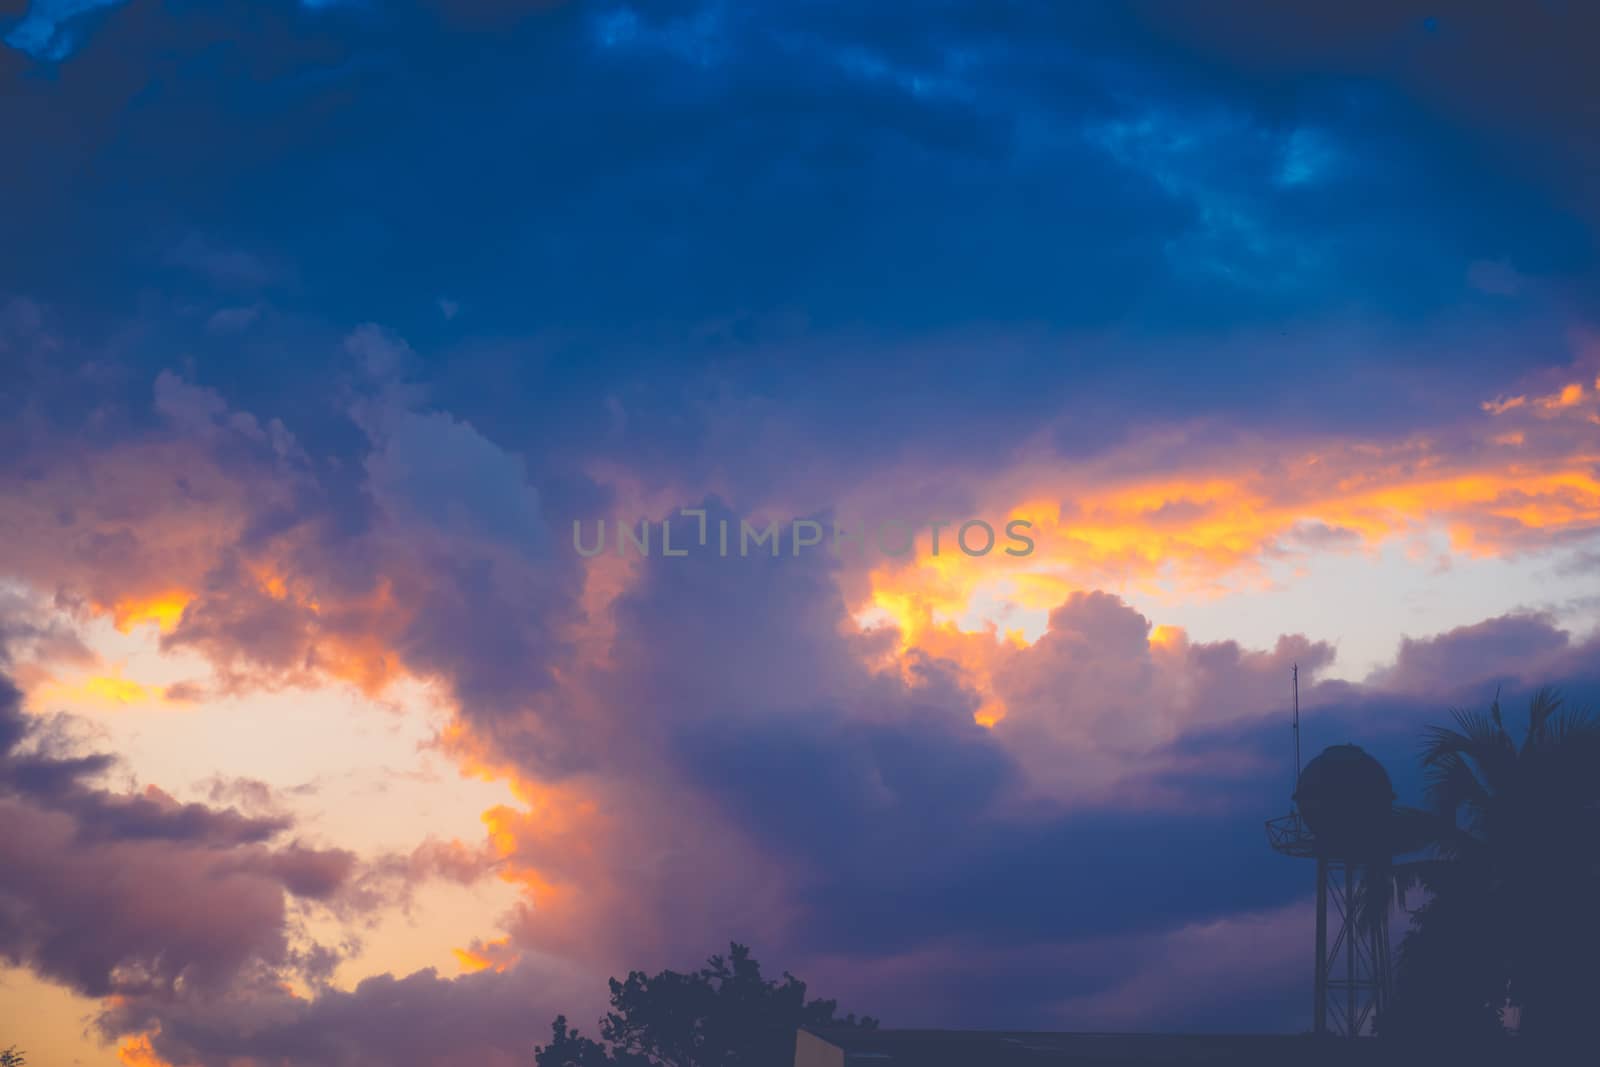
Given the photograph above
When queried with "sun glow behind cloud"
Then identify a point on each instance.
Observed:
(110, 690)
(1244, 522)
(163, 610)
(357, 771)
(1202, 535)
(136, 1052)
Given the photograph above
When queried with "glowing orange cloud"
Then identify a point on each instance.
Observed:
(118, 690)
(551, 820)
(1207, 531)
(585, 852)
(136, 1051)
(497, 955)
(351, 641)
(1188, 536)
(364, 660)
(1569, 396)
(106, 690)
(163, 609)
(1166, 636)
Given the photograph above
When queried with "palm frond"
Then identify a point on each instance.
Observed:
(1450, 784)
(1545, 703)
(1478, 738)
(1574, 726)
(1440, 743)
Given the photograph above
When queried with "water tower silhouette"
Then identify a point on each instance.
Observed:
(1343, 816)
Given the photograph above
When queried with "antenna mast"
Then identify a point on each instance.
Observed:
(1296, 677)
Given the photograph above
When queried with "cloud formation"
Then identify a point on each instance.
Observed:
(660, 718)
(1212, 303)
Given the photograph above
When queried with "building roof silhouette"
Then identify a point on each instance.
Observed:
(998, 1048)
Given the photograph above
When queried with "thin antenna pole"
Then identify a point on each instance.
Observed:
(1296, 725)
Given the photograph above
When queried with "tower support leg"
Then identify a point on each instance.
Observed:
(1320, 981)
(1352, 939)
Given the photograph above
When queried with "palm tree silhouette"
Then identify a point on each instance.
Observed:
(1513, 882)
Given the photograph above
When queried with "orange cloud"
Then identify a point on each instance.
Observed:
(592, 857)
(1196, 535)
(1569, 397)
(163, 609)
(1166, 636)
(352, 639)
(136, 1051)
(107, 690)
(552, 820)
(364, 660)
(498, 955)
(1221, 521)
(118, 690)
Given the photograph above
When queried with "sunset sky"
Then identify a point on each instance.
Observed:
(321, 323)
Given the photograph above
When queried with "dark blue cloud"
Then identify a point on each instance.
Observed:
(987, 212)
(51, 30)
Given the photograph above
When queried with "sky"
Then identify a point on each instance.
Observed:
(323, 326)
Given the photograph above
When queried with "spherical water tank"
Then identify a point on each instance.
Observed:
(1345, 798)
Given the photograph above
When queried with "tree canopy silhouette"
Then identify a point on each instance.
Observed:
(723, 1015)
(12, 1057)
(1514, 885)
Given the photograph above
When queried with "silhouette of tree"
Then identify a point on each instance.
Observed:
(1514, 884)
(567, 1048)
(12, 1057)
(723, 1015)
